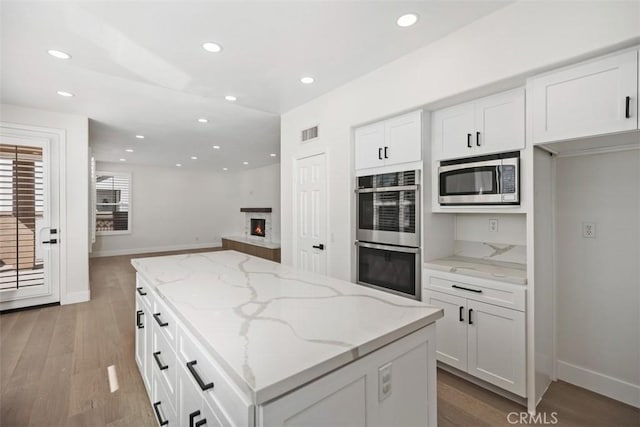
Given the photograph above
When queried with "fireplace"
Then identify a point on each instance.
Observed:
(258, 227)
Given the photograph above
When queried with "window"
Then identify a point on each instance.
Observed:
(113, 203)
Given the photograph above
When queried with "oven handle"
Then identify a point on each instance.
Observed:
(388, 189)
(389, 247)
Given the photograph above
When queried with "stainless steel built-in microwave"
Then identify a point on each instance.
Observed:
(484, 180)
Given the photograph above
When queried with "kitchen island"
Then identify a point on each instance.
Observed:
(238, 340)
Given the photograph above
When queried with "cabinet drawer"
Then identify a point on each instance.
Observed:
(165, 321)
(164, 410)
(144, 293)
(218, 391)
(164, 364)
(479, 290)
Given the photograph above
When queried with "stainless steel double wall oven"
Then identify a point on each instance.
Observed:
(388, 232)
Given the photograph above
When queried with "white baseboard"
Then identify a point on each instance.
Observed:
(599, 383)
(133, 251)
(75, 297)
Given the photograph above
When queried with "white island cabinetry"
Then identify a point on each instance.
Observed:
(241, 341)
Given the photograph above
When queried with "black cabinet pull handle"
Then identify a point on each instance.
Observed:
(160, 322)
(138, 323)
(460, 314)
(160, 365)
(385, 152)
(469, 140)
(627, 106)
(203, 386)
(320, 246)
(201, 422)
(380, 153)
(160, 420)
(192, 417)
(470, 321)
(478, 139)
(478, 291)
(141, 292)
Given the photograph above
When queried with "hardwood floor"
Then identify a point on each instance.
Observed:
(53, 370)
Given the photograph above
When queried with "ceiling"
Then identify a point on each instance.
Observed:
(138, 68)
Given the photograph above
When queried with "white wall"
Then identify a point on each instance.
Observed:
(180, 208)
(512, 228)
(76, 179)
(513, 41)
(598, 280)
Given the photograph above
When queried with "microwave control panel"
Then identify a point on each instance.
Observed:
(508, 179)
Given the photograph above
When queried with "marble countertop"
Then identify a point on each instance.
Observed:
(510, 272)
(257, 242)
(274, 328)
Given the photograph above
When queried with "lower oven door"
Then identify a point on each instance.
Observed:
(394, 269)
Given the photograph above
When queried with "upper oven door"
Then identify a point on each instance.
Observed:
(389, 215)
(470, 183)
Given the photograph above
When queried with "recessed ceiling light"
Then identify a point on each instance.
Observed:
(123, 160)
(194, 158)
(58, 54)
(245, 163)
(140, 136)
(272, 154)
(407, 20)
(225, 169)
(212, 47)
(216, 147)
(129, 150)
(203, 120)
(230, 98)
(178, 164)
(65, 94)
(307, 80)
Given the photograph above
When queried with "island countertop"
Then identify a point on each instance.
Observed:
(274, 328)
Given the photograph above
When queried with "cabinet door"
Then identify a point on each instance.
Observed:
(497, 345)
(451, 337)
(453, 132)
(499, 123)
(403, 139)
(142, 345)
(190, 402)
(588, 99)
(369, 146)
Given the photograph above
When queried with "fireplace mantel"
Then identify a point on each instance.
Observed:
(262, 210)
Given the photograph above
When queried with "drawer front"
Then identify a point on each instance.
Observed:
(165, 321)
(163, 409)
(144, 293)
(164, 363)
(479, 290)
(219, 392)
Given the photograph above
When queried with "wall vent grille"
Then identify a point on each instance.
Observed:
(309, 134)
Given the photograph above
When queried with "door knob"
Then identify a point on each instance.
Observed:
(320, 246)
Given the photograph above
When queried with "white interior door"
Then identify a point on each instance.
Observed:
(311, 214)
(29, 254)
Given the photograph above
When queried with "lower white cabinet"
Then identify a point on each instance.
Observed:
(485, 340)
(143, 342)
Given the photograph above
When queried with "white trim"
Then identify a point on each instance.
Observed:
(599, 150)
(614, 388)
(133, 251)
(75, 297)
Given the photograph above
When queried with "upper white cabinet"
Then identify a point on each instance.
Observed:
(592, 98)
(393, 141)
(487, 125)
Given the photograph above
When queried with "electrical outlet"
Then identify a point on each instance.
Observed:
(589, 230)
(384, 382)
(493, 225)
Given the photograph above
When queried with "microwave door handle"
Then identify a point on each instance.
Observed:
(499, 180)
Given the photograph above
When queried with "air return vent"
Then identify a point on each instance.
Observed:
(309, 134)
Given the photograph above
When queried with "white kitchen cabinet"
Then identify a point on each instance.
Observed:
(486, 340)
(394, 141)
(496, 345)
(143, 345)
(591, 98)
(487, 125)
